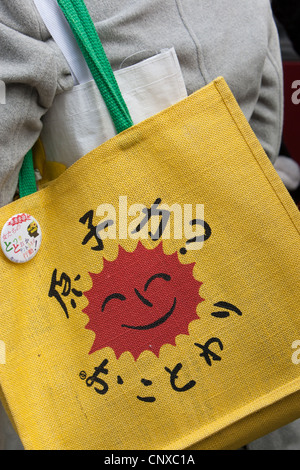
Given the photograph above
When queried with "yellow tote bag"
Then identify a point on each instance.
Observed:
(119, 336)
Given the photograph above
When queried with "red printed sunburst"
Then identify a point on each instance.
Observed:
(141, 301)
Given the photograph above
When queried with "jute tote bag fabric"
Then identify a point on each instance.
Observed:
(117, 336)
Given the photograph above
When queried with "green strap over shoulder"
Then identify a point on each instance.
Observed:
(88, 40)
(27, 183)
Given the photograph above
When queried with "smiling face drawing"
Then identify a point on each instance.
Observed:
(141, 301)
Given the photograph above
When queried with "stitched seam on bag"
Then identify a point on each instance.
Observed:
(245, 137)
(134, 91)
(145, 62)
(292, 387)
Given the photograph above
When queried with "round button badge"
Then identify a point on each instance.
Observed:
(21, 238)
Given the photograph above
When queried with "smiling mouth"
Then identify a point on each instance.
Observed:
(158, 322)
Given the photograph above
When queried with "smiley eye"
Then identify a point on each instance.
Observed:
(164, 276)
(111, 297)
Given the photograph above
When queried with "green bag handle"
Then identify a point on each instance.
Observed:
(88, 40)
(27, 183)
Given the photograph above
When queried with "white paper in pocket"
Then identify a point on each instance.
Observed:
(79, 121)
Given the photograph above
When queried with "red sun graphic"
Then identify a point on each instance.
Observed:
(141, 301)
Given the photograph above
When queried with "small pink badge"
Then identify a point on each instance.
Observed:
(21, 238)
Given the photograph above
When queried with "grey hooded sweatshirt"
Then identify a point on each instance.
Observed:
(236, 39)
